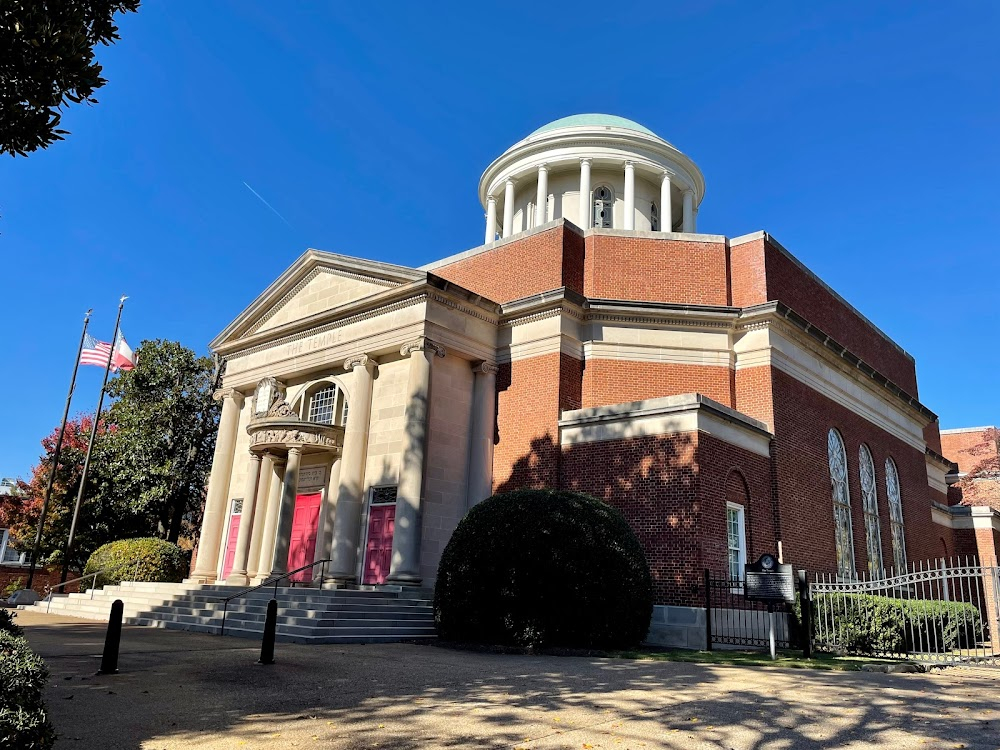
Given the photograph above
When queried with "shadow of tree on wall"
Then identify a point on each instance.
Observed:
(652, 481)
(181, 689)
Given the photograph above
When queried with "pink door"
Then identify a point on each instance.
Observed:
(234, 532)
(378, 549)
(305, 522)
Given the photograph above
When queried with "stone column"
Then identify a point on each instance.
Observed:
(238, 576)
(484, 391)
(350, 488)
(405, 567)
(688, 221)
(542, 195)
(629, 196)
(508, 209)
(666, 206)
(207, 564)
(271, 518)
(286, 511)
(585, 207)
(325, 543)
(260, 514)
(491, 219)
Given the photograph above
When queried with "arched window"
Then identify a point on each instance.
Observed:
(841, 505)
(327, 405)
(869, 501)
(654, 218)
(895, 515)
(737, 502)
(604, 203)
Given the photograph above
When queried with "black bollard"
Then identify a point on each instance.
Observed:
(109, 659)
(270, 625)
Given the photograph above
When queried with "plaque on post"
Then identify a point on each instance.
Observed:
(769, 581)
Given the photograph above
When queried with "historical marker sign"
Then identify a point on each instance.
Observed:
(767, 580)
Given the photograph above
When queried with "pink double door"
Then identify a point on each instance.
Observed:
(305, 523)
(234, 533)
(378, 545)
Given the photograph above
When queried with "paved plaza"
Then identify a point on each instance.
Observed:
(185, 690)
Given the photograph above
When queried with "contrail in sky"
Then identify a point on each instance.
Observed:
(268, 205)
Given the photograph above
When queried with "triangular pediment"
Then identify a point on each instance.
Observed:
(315, 283)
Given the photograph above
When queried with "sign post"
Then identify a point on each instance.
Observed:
(769, 581)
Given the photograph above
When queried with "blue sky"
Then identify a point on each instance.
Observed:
(863, 136)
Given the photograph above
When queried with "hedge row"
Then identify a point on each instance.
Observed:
(145, 559)
(867, 625)
(24, 722)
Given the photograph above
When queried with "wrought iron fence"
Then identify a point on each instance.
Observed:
(942, 611)
(732, 620)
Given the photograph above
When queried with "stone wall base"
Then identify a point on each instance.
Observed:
(677, 627)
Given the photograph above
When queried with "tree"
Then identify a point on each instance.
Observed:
(155, 460)
(46, 61)
(981, 484)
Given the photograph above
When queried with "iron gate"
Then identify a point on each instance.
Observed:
(732, 620)
(941, 611)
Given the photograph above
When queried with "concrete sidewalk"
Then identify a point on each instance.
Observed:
(185, 690)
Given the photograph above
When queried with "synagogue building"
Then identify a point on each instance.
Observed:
(712, 388)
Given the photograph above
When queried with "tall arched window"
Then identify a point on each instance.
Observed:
(654, 218)
(327, 405)
(895, 515)
(841, 505)
(604, 205)
(869, 501)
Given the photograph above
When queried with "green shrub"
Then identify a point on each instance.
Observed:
(147, 559)
(16, 584)
(7, 623)
(544, 568)
(866, 624)
(24, 722)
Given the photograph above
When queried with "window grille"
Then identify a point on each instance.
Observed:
(237, 506)
(843, 535)
(604, 201)
(895, 515)
(321, 405)
(869, 502)
(384, 495)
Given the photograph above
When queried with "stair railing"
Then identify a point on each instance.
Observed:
(269, 582)
(51, 589)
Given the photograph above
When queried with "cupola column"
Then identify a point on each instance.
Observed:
(508, 209)
(491, 219)
(629, 195)
(666, 208)
(585, 194)
(542, 196)
(688, 225)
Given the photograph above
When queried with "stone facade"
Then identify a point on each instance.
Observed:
(681, 377)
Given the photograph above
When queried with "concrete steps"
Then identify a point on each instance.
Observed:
(305, 615)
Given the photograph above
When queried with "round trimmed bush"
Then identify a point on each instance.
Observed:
(24, 722)
(543, 568)
(146, 559)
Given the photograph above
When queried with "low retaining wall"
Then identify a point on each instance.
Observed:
(44, 577)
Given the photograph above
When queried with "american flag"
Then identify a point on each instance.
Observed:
(94, 352)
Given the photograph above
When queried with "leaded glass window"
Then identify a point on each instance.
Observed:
(841, 505)
(895, 515)
(604, 202)
(321, 405)
(869, 502)
(736, 541)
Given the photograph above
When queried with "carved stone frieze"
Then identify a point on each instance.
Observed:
(290, 437)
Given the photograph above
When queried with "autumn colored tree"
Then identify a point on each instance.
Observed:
(981, 484)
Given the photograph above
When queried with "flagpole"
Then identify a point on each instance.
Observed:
(90, 445)
(55, 456)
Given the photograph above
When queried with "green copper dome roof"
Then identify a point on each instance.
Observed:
(575, 121)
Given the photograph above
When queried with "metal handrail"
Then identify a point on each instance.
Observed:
(268, 582)
(51, 589)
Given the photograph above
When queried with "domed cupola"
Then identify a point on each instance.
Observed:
(597, 171)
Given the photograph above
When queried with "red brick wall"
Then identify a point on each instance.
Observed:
(638, 268)
(932, 436)
(967, 449)
(612, 381)
(749, 279)
(520, 268)
(672, 491)
(803, 418)
(753, 393)
(42, 579)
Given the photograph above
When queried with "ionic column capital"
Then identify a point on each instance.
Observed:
(585, 160)
(485, 368)
(223, 393)
(512, 181)
(491, 199)
(667, 176)
(421, 344)
(359, 360)
(629, 164)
